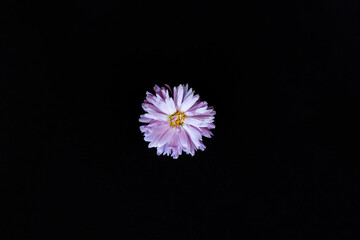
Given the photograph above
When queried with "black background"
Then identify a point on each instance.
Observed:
(282, 76)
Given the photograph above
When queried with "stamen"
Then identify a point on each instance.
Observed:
(177, 119)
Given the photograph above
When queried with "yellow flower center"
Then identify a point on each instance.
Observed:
(177, 119)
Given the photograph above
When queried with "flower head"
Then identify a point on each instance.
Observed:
(176, 120)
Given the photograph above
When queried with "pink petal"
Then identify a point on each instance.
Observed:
(160, 150)
(199, 121)
(155, 131)
(206, 132)
(198, 105)
(164, 138)
(166, 107)
(189, 102)
(156, 116)
(148, 107)
(180, 95)
(184, 140)
(188, 92)
(161, 92)
(194, 135)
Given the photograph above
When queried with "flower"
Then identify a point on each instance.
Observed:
(176, 122)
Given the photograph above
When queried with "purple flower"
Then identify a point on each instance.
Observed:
(176, 122)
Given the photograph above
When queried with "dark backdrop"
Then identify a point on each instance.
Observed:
(282, 76)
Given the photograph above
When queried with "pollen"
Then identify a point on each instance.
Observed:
(177, 119)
